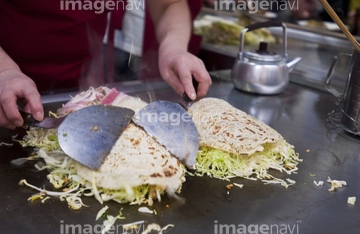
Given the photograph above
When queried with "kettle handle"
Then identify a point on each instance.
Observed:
(265, 24)
(329, 76)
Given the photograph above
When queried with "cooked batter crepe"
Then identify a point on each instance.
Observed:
(224, 127)
(233, 143)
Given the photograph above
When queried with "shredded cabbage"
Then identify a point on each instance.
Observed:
(6, 144)
(156, 227)
(41, 139)
(110, 220)
(223, 165)
(336, 184)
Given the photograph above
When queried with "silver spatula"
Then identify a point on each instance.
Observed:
(172, 126)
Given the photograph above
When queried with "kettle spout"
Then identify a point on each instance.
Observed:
(292, 63)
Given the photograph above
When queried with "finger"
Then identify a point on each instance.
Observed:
(204, 80)
(10, 110)
(34, 104)
(185, 77)
(172, 79)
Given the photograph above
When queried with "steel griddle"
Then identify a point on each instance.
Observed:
(299, 114)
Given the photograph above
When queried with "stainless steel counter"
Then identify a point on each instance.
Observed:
(299, 114)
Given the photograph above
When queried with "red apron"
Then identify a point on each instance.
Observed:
(56, 48)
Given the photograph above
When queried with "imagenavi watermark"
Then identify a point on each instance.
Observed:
(254, 6)
(132, 228)
(176, 118)
(222, 228)
(100, 6)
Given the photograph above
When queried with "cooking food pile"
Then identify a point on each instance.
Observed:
(235, 144)
(220, 31)
(138, 170)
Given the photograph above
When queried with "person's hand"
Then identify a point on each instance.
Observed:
(16, 86)
(172, 20)
(177, 67)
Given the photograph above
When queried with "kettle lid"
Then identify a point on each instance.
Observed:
(262, 54)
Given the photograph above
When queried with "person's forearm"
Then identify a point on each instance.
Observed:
(172, 22)
(6, 63)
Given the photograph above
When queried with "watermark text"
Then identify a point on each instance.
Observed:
(101, 6)
(254, 6)
(220, 228)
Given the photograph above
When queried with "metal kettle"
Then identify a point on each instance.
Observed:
(262, 71)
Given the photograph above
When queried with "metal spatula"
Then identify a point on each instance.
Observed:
(47, 122)
(87, 135)
(172, 126)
